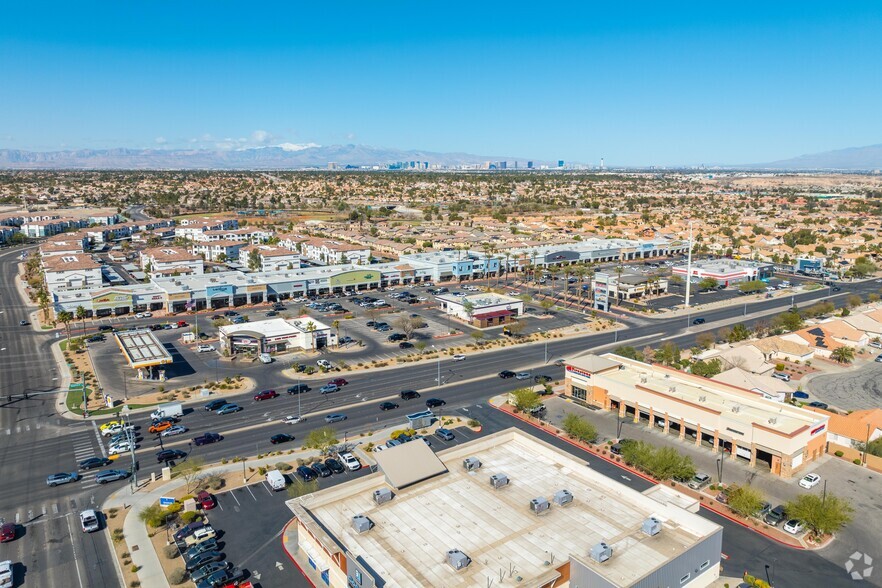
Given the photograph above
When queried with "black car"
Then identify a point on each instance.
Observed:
(821, 405)
(188, 530)
(105, 328)
(231, 313)
(409, 394)
(206, 439)
(504, 374)
(215, 404)
(94, 462)
(433, 402)
(205, 571)
(95, 339)
(698, 321)
(217, 317)
(334, 465)
(322, 470)
(405, 345)
(271, 313)
(541, 378)
(278, 307)
(170, 455)
(203, 559)
(298, 389)
(222, 578)
(281, 438)
(207, 545)
(775, 516)
(836, 288)
(388, 406)
(156, 327)
(370, 324)
(306, 473)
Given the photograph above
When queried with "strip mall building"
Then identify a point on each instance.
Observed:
(718, 416)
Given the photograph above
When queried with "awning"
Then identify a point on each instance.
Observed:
(494, 314)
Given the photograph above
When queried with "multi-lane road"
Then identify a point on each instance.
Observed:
(35, 441)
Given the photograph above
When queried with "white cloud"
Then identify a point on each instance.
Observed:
(350, 136)
(160, 140)
(261, 137)
(297, 146)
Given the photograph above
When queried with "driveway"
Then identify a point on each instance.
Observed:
(855, 388)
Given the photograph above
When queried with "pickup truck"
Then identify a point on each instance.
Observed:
(206, 438)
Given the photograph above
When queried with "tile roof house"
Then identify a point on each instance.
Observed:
(777, 348)
(819, 339)
(858, 426)
(771, 388)
(844, 333)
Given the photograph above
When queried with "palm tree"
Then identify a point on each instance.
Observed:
(843, 354)
(43, 301)
(65, 317)
(507, 261)
(81, 316)
(336, 325)
(311, 328)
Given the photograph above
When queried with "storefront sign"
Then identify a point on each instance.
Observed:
(111, 300)
(354, 277)
(252, 289)
(178, 296)
(578, 372)
(817, 430)
(212, 291)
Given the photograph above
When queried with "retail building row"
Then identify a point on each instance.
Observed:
(721, 417)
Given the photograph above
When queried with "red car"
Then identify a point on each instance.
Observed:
(7, 532)
(339, 381)
(266, 395)
(205, 500)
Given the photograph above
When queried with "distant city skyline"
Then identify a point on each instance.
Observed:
(637, 85)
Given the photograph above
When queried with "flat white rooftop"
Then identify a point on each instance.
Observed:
(142, 349)
(275, 327)
(496, 528)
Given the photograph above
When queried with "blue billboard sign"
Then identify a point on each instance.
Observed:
(212, 291)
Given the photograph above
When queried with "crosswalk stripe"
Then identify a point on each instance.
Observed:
(54, 508)
(17, 518)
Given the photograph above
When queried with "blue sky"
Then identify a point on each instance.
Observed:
(635, 83)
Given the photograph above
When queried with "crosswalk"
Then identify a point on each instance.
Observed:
(19, 429)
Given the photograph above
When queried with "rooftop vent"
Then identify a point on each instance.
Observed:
(773, 420)
(539, 505)
(382, 496)
(362, 524)
(458, 560)
(672, 389)
(736, 408)
(471, 464)
(643, 379)
(702, 398)
(499, 480)
(562, 497)
(600, 552)
(652, 526)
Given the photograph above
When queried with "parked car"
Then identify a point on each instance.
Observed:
(204, 558)
(306, 473)
(335, 417)
(405, 345)
(699, 481)
(349, 461)
(409, 394)
(94, 462)
(794, 526)
(206, 438)
(229, 409)
(281, 438)
(174, 430)
(775, 516)
(334, 465)
(321, 469)
(434, 402)
(204, 348)
(329, 388)
(821, 405)
(111, 476)
(394, 337)
(298, 389)
(205, 500)
(223, 578)
(266, 395)
(170, 455)
(6, 577)
(324, 363)
(215, 404)
(194, 550)
(187, 530)
(199, 535)
(388, 406)
(809, 481)
(207, 569)
(505, 374)
(444, 434)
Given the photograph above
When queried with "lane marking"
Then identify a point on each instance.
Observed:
(74, 549)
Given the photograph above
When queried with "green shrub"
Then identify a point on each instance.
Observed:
(189, 516)
(838, 453)
(170, 551)
(284, 467)
(177, 576)
(856, 461)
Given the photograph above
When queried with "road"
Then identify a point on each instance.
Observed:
(36, 441)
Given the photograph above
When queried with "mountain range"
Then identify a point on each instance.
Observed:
(285, 156)
(850, 159)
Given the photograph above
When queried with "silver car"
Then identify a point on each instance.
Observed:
(62, 478)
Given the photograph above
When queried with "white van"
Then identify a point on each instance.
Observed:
(275, 479)
(89, 521)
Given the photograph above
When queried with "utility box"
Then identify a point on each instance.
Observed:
(652, 526)
(362, 524)
(601, 552)
(382, 496)
(498, 481)
(562, 497)
(539, 505)
(471, 464)
(458, 560)
(421, 420)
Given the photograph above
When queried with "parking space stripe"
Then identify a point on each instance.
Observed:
(267, 488)
(251, 493)
(236, 499)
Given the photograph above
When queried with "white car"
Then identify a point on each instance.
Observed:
(522, 376)
(380, 447)
(139, 315)
(422, 298)
(6, 574)
(89, 521)
(514, 293)
(793, 526)
(459, 357)
(174, 430)
(204, 348)
(117, 429)
(809, 481)
(147, 314)
(324, 363)
(293, 419)
(349, 461)
(121, 447)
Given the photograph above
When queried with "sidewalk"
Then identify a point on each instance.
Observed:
(137, 536)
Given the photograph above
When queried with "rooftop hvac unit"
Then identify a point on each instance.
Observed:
(562, 497)
(458, 560)
(382, 496)
(601, 552)
(471, 464)
(362, 524)
(652, 526)
(498, 480)
(539, 505)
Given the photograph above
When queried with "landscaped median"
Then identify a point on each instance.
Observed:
(661, 465)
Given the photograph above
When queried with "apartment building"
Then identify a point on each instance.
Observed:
(332, 252)
(171, 261)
